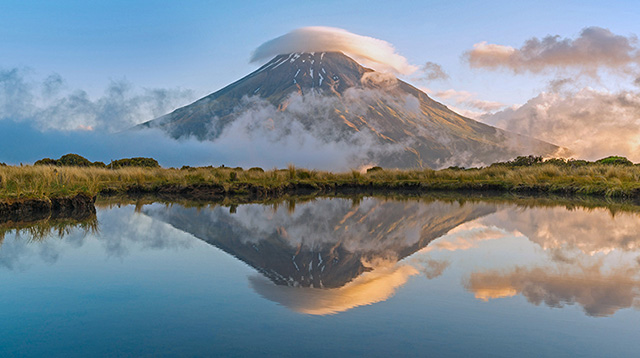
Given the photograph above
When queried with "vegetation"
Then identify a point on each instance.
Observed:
(75, 160)
(134, 162)
(70, 160)
(609, 177)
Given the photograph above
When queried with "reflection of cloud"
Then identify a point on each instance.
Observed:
(433, 268)
(590, 231)
(599, 293)
(120, 231)
(466, 236)
(369, 288)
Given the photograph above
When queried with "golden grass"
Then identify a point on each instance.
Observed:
(50, 181)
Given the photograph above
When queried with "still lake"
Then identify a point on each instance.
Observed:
(325, 277)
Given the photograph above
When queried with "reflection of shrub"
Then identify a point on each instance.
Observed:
(614, 160)
(135, 162)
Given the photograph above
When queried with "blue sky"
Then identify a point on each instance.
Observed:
(204, 45)
(118, 63)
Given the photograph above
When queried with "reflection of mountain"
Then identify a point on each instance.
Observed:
(325, 243)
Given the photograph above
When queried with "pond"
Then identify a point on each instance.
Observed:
(328, 276)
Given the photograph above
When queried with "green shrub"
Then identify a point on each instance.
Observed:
(374, 169)
(556, 161)
(73, 160)
(233, 176)
(46, 161)
(256, 169)
(303, 174)
(135, 162)
(614, 160)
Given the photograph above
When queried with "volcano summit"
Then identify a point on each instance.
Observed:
(330, 97)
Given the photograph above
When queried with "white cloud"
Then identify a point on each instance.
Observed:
(371, 52)
(592, 124)
(594, 49)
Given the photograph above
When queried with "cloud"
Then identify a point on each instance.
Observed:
(594, 49)
(49, 106)
(433, 72)
(464, 98)
(56, 121)
(591, 123)
(599, 292)
(371, 52)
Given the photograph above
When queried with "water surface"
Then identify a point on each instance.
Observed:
(373, 277)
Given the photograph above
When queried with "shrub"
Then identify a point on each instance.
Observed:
(233, 176)
(256, 169)
(70, 160)
(556, 161)
(73, 160)
(135, 162)
(303, 174)
(46, 161)
(614, 160)
(374, 169)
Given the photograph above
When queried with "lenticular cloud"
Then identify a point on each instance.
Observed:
(377, 54)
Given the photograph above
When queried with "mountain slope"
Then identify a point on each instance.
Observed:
(337, 100)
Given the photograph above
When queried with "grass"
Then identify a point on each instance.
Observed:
(44, 181)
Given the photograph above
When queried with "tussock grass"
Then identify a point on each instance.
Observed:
(49, 181)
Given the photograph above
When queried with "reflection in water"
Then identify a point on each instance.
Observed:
(592, 257)
(330, 255)
(599, 292)
(370, 287)
(325, 243)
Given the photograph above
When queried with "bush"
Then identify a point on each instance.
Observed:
(135, 162)
(46, 161)
(73, 160)
(614, 160)
(303, 174)
(233, 176)
(561, 162)
(256, 169)
(374, 169)
(70, 160)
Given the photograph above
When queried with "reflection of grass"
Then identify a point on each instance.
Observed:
(44, 229)
(573, 202)
(49, 181)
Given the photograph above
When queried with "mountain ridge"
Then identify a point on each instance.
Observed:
(336, 99)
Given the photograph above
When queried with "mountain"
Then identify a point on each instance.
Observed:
(388, 121)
